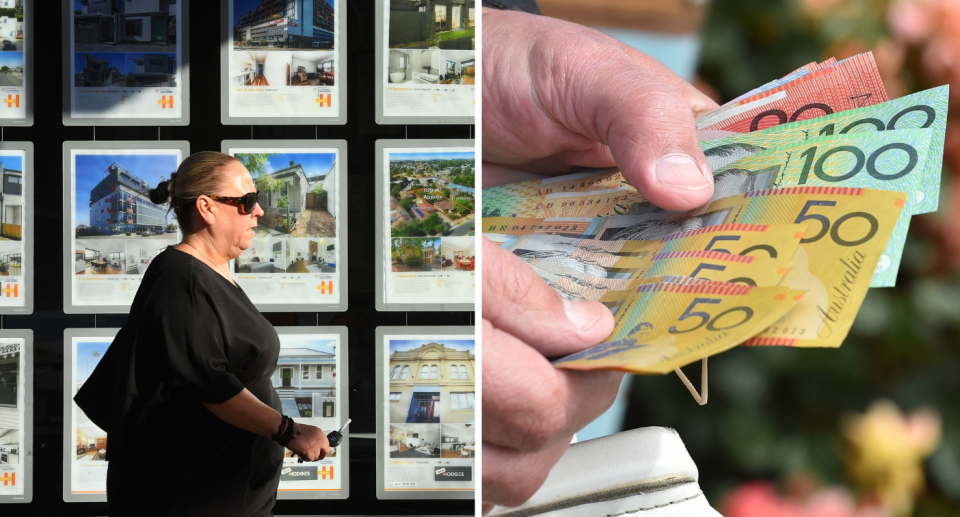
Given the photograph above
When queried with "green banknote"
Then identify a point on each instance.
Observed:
(923, 110)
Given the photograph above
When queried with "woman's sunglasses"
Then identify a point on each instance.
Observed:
(246, 201)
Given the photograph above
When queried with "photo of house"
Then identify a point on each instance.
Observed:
(311, 256)
(111, 196)
(298, 194)
(152, 70)
(414, 441)
(283, 24)
(459, 67)
(432, 382)
(101, 69)
(11, 258)
(416, 254)
(90, 441)
(125, 25)
(295, 68)
(11, 202)
(11, 25)
(9, 386)
(306, 380)
(432, 194)
(9, 446)
(140, 253)
(445, 24)
(11, 69)
(461, 251)
(458, 441)
(265, 255)
(100, 257)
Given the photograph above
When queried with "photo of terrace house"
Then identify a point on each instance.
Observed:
(306, 382)
(263, 256)
(124, 25)
(459, 441)
(278, 24)
(118, 207)
(153, 70)
(100, 257)
(9, 385)
(93, 70)
(311, 256)
(300, 68)
(432, 383)
(448, 24)
(11, 203)
(414, 441)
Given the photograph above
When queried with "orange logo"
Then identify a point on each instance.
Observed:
(325, 99)
(324, 472)
(164, 101)
(12, 101)
(12, 289)
(326, 287)
(12, 478)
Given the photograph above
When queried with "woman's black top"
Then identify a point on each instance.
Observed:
(192, 337)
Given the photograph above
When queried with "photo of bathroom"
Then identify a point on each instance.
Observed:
(414, 66)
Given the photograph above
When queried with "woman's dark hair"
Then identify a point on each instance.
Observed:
(199, 175)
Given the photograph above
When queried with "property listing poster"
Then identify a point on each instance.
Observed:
(12, 417)
(295, 254)
(13, 91)
(306, 381)
(430, 256)
(429, 66)
(88, 452)
(13, 263)
(283, 58)
(117, 230)
(429, 409)
(127, 59)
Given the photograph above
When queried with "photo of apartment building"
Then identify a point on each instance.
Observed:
(283, 24)
(119, 205)
(432, 382)
(124, 25)
(11, 198)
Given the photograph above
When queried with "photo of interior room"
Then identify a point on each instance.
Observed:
(459, 66)
(415, 441)
(141, 253)
(263, 256)
(9, 446)
(295, 68)
(91, 444)
(11, 258)
(311, 256)
(100, 257)
(458, 441)
(461, 251)
(414, 66)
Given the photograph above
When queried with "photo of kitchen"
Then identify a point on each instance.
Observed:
(262, 257)
(458, 441)
(416, 441)
(9, 446)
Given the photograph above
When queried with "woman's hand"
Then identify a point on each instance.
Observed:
(309, 442)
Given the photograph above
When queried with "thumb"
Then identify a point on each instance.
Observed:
(520, 303)
(647, 124)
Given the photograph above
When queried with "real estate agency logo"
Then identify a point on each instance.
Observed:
(324, 472)
(8, 478)
(12, 101)
(324, 99)
(165, 102)
(452, 474)
(325, 287)
(298, 474)
(9, 289)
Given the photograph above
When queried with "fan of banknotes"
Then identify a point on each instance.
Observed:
(816, 177)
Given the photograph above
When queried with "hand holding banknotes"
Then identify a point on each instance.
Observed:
(559, 96)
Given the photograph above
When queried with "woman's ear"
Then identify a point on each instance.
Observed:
(207, 209)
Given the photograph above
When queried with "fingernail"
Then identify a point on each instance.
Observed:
(582, 314)
(679, 170)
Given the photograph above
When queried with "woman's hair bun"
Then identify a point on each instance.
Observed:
(161, 194)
